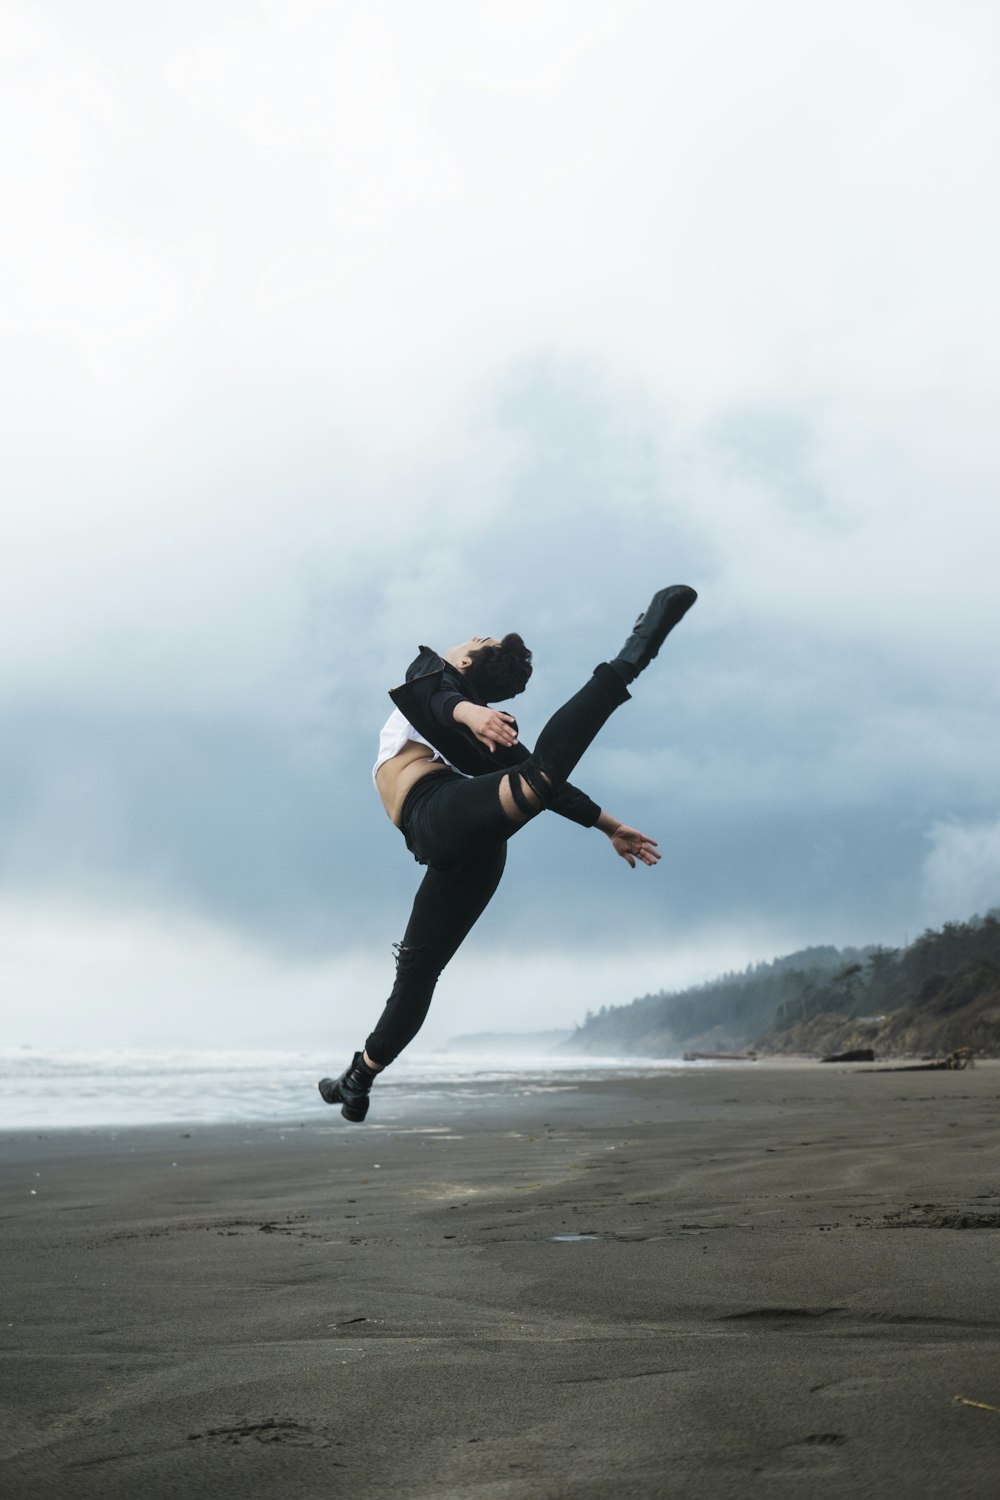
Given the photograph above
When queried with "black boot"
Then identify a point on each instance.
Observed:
(351, 1089)
(651, 629)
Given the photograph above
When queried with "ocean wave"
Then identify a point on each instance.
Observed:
(130, 1086)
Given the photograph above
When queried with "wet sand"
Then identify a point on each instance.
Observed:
(762, 1280)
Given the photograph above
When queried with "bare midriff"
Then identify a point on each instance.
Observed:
(395, 778)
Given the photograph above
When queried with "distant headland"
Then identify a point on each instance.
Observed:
(938, 994)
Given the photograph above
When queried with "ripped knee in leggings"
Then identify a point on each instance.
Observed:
(526, 792)
(417, 961)
(406, 955)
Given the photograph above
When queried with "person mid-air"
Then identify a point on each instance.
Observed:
(457, 783)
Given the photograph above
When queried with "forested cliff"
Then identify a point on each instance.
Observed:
(940, 992)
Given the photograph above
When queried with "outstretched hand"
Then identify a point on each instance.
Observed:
(491, 726)
(633, 845)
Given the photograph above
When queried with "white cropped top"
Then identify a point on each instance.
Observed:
(396, 731)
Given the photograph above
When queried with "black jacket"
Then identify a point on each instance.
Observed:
(427, 700)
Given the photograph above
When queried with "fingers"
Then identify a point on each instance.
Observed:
(501, 731)
(492, 728)
(632, 846)
(644, 846)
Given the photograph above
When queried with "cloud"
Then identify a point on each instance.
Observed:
(80, 974)
(337, 329)
(961, 873)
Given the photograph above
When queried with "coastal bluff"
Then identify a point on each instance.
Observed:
(938, 994)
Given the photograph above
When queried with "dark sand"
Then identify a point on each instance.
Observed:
(794, 1272)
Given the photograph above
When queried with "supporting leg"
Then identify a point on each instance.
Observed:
(447, 906)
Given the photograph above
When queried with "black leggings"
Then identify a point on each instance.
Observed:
(457, 827)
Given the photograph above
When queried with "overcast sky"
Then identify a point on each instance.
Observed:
(330, 329)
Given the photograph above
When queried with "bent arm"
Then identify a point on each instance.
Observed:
(444, 702)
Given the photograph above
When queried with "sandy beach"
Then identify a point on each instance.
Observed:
(767, 1279)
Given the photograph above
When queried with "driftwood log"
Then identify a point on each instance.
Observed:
(962, 1057)
(720, 1057)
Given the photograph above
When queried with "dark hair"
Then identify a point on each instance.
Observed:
(499, 672)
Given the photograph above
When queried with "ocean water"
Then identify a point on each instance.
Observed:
(54, 1090)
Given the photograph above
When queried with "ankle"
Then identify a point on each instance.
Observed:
(623, 669)
(370, 1065)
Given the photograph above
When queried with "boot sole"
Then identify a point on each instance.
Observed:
(666, 610)
(329, 1089)
(670, 605)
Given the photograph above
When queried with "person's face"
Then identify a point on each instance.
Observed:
(461, 656)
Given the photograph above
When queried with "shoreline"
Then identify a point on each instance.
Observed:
(181, 1100)
(730, 1281)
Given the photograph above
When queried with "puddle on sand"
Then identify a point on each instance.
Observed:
(572, 1239)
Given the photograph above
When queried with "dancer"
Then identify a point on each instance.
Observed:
(457, 783)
